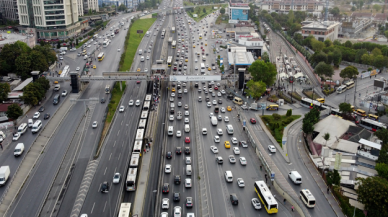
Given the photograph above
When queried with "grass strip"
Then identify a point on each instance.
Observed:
(200, 13)
(115, 100)
(277, 123)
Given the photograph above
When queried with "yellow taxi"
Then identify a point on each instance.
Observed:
(227, 144)
(94, 67)
(209, 69)
(200, 37)
(186, 60)
(173, 89)
(138, 69)
(206, 44)
(193, 46)
(229, 108)
(183, 39)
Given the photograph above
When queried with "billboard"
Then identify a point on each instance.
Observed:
(239, 14)
(195, 78)
(139, 31)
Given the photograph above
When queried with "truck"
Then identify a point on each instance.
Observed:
(147, 33)
(63, 49)
(169, 40)
(254, 106)
(4, 174)
(57, 87)
(2, 136)
(214, 120)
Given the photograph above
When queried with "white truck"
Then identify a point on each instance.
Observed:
(57, 87)
(4, 174)
(214, 120)
(2, 136)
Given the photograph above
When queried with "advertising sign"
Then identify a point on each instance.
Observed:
(239, 14)
(139, 31)
(195, 78)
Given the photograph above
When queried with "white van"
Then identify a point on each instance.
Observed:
(229, 176)
(187, 128)
(140, 52)
(295, 177)
(36, 127)
(188, 170)
(18, 149)
(170, 130)
(30, 122)
(142, 58)
(214, 120)
(229, 129)
(22, 128)
(190, 214)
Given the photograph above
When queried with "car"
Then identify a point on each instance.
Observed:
(189, 202)
(179, 104)
(94, 124)
(219, 94)
(167, 168)
(138, 69)
(243, 144)
(77, 69)
(177, 211)
(272, 149)
(178, 150)
(187, 140)
(214, 149)
(165, 203)
(94, 67)
(199, 99)
(219, 117)
(219, 132)
(234, 141)
(169, 155)
(223, 92)
(137, 103)
(104, 187)
(252, 120)
(173, 89)
(219, 101)
(214, 102)
(213, 94)
(188, 160)
(16, 136)
(46, 116)
(102, 100)
(223, 109)
(215, 88)
(256, 203)
(121, 109)
(188, 183)
(187, 150)
(171, 99)
(171, 117)
(236, 150)
(217, 139)
(146, 70)
(232, 159)
(148, 57)
(240, 182)
(36, 115)
(138, 82)
(227, 144)
(229, 108)
(177, 179)
(172, 94)
(187, 113)
(178, 133)
(226, 119)
(219, 160)
(116, 178)
(243, 161)
(166, 188)
(186, 107)
(176, 196)
(41, 109)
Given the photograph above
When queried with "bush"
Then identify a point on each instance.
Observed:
(276, 117)
(289, 112)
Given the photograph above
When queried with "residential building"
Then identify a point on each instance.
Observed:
(9, 10)
(84, 6)
(238, 11)
(56, 19)
(312, 6)
(321, 30)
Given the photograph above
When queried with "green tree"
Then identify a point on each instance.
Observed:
(359, 54)
(14, 111)
(122, 8)
(44, 83)
(298, 38)
(5, 89)
(307, 41)
(222, 11)
(353, 8)
(383, 156)
(204, 10)
(376, 7)
(337, 57)
(265, 57)
(367, 59)
(386, 34)
(23, 65)
(348, 44)
(382, 170)
(317, 45)
(373, 193)
(333, 178)
(256, 88)
(326, 137)
(382, 134)
(328, 43)
(335, 11)
(294, 28)
(309, 120)
(39, 63)
(345, 108)
(379, 61)
(349, 72)
(375, 52)
(323, 69)
(262, 71)
(33, 93)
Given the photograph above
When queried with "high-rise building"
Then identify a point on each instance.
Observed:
(9, 9)
(84, 6)
(54, 19)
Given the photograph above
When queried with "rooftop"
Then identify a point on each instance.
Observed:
(241, 29)
(321, 25)
(23, 84)
(333, 125)
(10, 38)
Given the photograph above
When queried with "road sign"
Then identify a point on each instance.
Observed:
(139, 31)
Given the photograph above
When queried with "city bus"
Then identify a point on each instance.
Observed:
(169, 61)
(107, 88)
(266, 197)
(173, 29)
(144, 115)
(125, 210)
(142, 123)
(309, 103)
(163, 34)
(130, 184)
(138, 146)
(65, 71)
(372, 125)
(139, 135)
(307, 198)
(341, 89)
(148, 97)
(349, 84)
(105, 43)
(134, 162)
(173, 45)
(202, 68)
(146, 105)
(101, 56)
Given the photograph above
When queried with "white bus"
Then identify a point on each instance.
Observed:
(173, 45)
(148, 97)
(372, 125)
(130, 183)
(139, 134)
(125, 210)
(341, 89)
(144, 115)
(142, 123)
(137, 147)
(307, 198)
(95, 36)
(65, 71)
(349, 84)
(100, 56)
(146, 105)
(169, 61)
(266, 197)
(107, 88)
(309, 103)
(134, 163)
(105, 43)
(203, 68)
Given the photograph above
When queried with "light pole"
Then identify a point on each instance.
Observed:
(234, 76)
(153, 203)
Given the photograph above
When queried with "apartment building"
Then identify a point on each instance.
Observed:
(312, 6)
(321, 30)
(84, 6)
(9, 10)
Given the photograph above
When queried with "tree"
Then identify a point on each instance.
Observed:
(382, 134)
(255, 88)
(379, 61)
(335, 11)
(367, 59)
(333, 178)
(5, 88)
(222, 11)
(345, 108)
(376, 7)
(44, 83)
(33, 93)
(359, 54)
(265, 57)
(307, 41)
(375, 52)
(323, 69)
(386, 34)
(383, 156)
(122, 8)
(353, 8)
(311, 118)
(317, 45)
(326, 137)
(349, 72)
(39, 63)
(298, 38)
(262, 71)
(373, 193)
(14, 111)
(382, 170)
(204, 10)
(327, 43)
(23, 65)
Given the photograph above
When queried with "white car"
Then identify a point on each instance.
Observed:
(240, 182)
(244, 144)
(179, 91)
(188, 183)
(211, 114)
(226, 119)
(77, 69)
(187, 113)
(209, 104)
(223, 110)
(137, 103)
(64, 93)
(94, 125)
(167, 169)
(204, 131)
(16, 136)
(214, 102)
(165, 203)
(223, 92)
(148, 57)
(185, 91)
(36, 115)
(232, 159)
(130, 102)
(219, 94)
(272, 149)
(177, 211)
(172, 94)
(116, 178)
(236, 150)
(188, 160)
(219, 131)
(121, 109)
(214, 149)
(243, 161)
(186, 120)
(234, 141)
(256, 203)
(145, 70)
(196, 68)
(171, 117)
(217, 139)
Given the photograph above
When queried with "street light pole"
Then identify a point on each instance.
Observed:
(153, 203)
(234, 77)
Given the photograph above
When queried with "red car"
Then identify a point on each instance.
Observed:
(215, 88)
(253, 121)
(138, 82)
(187, 139)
